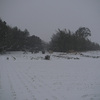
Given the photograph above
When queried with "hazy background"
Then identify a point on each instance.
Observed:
(43, 17)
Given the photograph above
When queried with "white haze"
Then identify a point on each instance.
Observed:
(44, 17)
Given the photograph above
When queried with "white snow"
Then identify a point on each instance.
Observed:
(63, 77)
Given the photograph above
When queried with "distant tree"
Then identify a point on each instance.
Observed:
(83, 32)
(3, 34)
(26, 33)
(34, 43)
(61, 41)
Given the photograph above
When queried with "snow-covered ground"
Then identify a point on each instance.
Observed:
(63, 77)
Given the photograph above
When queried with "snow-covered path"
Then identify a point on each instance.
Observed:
(56, 79)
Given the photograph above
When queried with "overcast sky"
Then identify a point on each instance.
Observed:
(43, 17)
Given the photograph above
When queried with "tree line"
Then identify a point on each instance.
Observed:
(14, 39)
(65, 41)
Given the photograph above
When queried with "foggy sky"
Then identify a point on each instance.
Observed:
(43, 17)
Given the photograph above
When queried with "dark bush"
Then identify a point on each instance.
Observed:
(43, 52)
(47, 57)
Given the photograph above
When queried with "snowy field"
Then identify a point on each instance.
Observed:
(26, 76)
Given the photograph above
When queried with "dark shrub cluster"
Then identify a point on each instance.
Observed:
(65, 41)
(13, 39)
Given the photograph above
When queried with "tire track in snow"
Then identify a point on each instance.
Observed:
(12, 89)
(32, 88)
(21, 87)
(12, 81)
(26, 84)
(0, 82)
(40, 86)
(6, 88)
